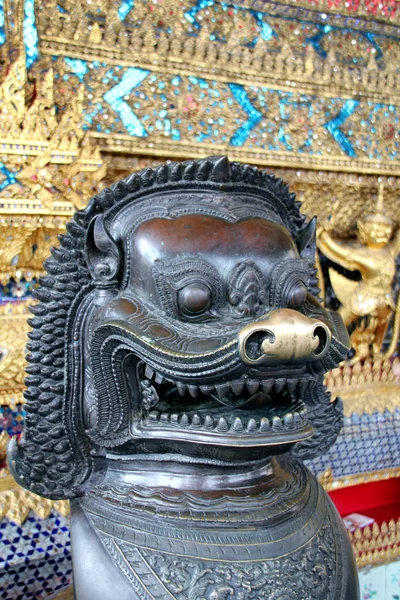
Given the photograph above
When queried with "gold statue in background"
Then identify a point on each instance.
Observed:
(368, 302)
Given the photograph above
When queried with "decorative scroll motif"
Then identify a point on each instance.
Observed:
(224, 507)
(247, 290)
(307, 574)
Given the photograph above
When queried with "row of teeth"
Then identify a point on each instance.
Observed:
(237, 385)
(221, 425)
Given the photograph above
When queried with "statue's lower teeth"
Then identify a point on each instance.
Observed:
(233, 424)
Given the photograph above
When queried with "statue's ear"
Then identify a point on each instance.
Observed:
(103, 255)
(306, 240)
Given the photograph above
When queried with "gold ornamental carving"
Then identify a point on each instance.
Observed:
(52, 169)
(376, 544)
(16, 503)
(13, 337)
(369, 302)
(366, 386)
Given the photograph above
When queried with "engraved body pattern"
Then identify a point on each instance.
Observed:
(310, 573)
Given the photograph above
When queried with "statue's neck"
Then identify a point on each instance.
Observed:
(162, 472)
(131, 491)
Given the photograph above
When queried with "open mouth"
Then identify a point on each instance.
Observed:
(244, 411)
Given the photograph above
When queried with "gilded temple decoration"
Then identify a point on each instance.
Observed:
(368, 303)
(16, 503)
(13, 335)
(193, 78)
(377, 544)
(47, 168)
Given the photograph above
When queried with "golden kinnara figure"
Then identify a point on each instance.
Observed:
(370, 302)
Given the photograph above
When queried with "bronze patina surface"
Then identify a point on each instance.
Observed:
(175, 383)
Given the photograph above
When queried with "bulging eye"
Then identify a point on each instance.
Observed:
(297, 295)
(194, 299)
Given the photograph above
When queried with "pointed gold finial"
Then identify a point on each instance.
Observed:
(376, 227)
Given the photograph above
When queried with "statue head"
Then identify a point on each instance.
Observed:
(376, 229)
(179, 317)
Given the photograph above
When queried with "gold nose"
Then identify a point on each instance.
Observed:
(284, 336)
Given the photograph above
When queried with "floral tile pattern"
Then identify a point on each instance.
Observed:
(380, 583)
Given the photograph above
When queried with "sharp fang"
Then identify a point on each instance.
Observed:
(267, 385)
(153, 416)
(159, 378)
(149, 372)
(196, 421)
(174, 419)
(181, 388)
(291, 385)
(222, 389)
(206, 389)
(222, 425)
(276, 423)
(251, 426)
(296, 417)
(184, 420)
(237, 425)
(193, 390)
(264, 425)
(164, 418)
(252, 385)
(237, 386)
(288, 419)
(280, 384)
(208, 422)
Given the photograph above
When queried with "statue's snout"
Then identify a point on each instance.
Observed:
(284, 336)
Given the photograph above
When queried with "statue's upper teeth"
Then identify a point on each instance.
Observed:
(277, 385)
(222, 389)
(238, 386)
(193, 390)
(252, 385)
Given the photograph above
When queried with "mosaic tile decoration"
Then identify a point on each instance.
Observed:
(186, 101)
(16, 290)
(12, 419)
(35, 558)
(366, 443)
(209, 114)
